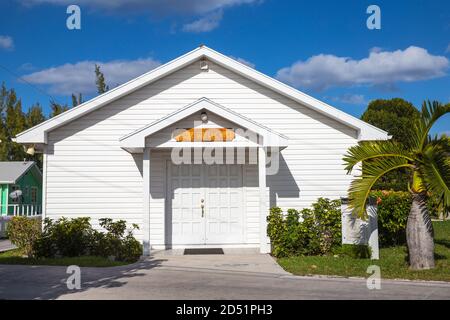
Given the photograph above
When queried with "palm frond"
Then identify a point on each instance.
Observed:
(370, 150)
(373, 170)
(441, 142)
(435, 171)
(431, 112)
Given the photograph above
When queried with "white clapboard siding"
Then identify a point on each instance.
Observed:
(88, 174)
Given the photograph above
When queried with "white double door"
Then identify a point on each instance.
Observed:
(205, 204)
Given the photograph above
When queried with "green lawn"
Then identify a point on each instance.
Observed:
(392, 263)
(15, 257)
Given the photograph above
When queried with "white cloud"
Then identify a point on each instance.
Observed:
(192, 7)
(379, 68)
(205, 24)
(376, 49)
(448, 49)
(357, 99)
(243, 61)
(80, 77)
(27, 67)
(208, 12)
(6, 42)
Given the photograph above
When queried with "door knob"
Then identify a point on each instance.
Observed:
(203, 207)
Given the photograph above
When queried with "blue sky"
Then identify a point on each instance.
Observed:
(321, 47)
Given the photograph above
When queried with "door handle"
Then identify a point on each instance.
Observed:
(203, 207)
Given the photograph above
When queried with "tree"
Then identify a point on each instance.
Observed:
(76, 100)
(57, 108)
(427, 162)
(3, 131)
(394, 116)
(100, 80)
(12, 121)
(34, 116)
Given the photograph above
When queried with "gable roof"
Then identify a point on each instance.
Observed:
(136, 139)
(38, 134)
(12, 171)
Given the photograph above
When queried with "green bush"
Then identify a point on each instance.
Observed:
(65, 237)
(309, 232)
(23, 233)
(115, 244)
(393, 211)
(76, 237)
(324, 226)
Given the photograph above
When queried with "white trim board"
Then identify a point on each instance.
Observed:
(136, 140)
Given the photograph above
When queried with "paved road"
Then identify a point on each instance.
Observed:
(163, 276)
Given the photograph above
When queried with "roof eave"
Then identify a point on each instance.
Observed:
(38, 134)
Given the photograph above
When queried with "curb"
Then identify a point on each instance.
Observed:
(393, 281)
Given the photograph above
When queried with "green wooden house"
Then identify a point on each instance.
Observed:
(26, 177)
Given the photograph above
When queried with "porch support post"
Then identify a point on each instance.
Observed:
(146, 201)
(263, 210)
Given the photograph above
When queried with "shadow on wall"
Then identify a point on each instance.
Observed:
(282, 184)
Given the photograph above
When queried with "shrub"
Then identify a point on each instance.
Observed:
(115, 243)
(309, 232)
(393, 211)
(23, 233)
(324, 226)
(286, 237)
(64, 237)
(76, 237)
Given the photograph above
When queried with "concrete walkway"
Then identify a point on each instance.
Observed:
(168, 275)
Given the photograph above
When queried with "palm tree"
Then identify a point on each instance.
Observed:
(427, 161)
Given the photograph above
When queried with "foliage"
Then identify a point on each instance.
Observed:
(77, 100)
(393, 210)
(425, 158)
(76, 237)
(34, 116)
(393, 262)
(309, 232)
(23, 233)
(394, 116)
(13, 120)
(57, 108)
(65, 237)
(115, 243)
(428, 164)
(100, 80)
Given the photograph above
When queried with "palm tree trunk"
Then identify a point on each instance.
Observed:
(419, 235)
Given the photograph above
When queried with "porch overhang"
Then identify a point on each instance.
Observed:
(135, 142)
